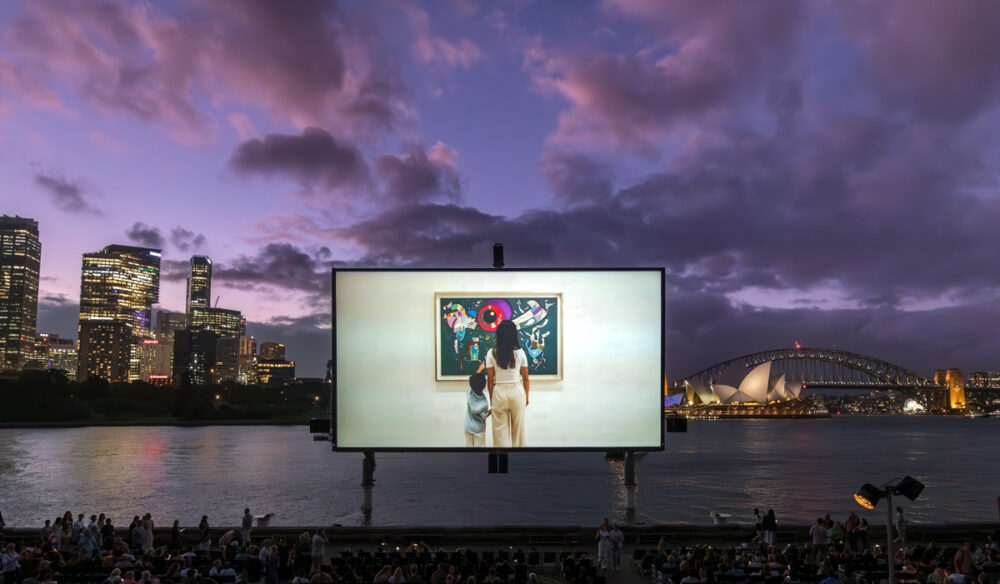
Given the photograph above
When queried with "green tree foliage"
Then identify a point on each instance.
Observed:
(48, 396)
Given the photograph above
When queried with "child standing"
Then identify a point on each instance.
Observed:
(477, 409)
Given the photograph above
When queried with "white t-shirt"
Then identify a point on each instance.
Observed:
(318, 545)
(507, 375)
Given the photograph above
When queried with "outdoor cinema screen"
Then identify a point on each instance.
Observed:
(498, 359)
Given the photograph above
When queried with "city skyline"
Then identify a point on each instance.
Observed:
(823, 172)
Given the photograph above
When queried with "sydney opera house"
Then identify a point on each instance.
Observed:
(759, 394)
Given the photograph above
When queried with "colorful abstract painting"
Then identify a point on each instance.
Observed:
(466, 330)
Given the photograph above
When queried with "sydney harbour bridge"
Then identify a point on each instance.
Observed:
(828, 368)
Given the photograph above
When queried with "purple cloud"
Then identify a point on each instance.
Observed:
(314, 158)
(149, 63)
(66, 194)
(186, 240)
(145, 235)
(420, 175)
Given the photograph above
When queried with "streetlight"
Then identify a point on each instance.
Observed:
(869, 495)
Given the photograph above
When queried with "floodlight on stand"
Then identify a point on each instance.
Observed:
(909, 487)
(868, 496)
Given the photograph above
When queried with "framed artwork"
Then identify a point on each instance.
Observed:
(466, 324)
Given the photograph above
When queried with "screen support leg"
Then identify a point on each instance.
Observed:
(367, 481)
(630, 486)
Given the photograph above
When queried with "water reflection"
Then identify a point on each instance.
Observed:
(802, 469)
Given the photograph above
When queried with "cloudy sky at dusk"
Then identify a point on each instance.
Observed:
(822, 171)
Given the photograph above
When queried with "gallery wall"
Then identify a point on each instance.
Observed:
(610, 342)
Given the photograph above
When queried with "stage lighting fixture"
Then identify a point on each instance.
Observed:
(868, 496)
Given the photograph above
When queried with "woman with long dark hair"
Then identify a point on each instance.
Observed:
(507, 380)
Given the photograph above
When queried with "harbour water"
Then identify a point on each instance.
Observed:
(801, 468)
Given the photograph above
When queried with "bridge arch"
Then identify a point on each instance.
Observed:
(829, 367)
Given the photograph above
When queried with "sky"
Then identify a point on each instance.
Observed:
(816, 171)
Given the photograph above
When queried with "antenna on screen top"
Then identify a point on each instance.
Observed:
(498, 255)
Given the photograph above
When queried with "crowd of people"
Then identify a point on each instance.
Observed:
(74, 549)
(77, 549)
(837, 553)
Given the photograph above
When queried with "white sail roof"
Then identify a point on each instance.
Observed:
(704, 392)
(777, 390)
(793, 388)
(753, 388)
(727, 393)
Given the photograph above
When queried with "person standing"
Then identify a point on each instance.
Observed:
(769, 526)
(757, 525)
(107, 534)
(900, 527)
(617, 543)
(247, 526)
(477, 409)
(147, 533)
(319, 541)
(507, 379)
(603, 539)
(851, 527)
(819, 534)
(10, 566)
(963, 559)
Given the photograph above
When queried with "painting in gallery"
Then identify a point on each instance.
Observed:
(466, 330)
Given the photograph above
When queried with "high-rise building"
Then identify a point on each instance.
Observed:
(222, 321)
(118, 288)
(275, 373)
(227, 359)
(194, 356)
(167, 324)
(20, 258)
(57, 353)
(199, 285)
(248, 361)
(271, 351)
(105, 349)
(155, 360)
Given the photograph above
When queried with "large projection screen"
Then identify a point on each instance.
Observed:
(406, 341)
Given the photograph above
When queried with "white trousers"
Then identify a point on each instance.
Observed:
(508, 415)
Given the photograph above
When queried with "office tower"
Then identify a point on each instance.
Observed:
(224, 322)
(118, 288)
(155, 360)
(275, 373)
(248, 360)
(168, 323)
(194, 356)
(199, 286)
(56, 353)
(227, 359)
(272, 351)
(105, 349)
(20, 257)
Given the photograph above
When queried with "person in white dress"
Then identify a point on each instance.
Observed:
(509, 386)
(603, 538)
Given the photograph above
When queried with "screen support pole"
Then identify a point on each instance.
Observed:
(630, 486)
(367, 482)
